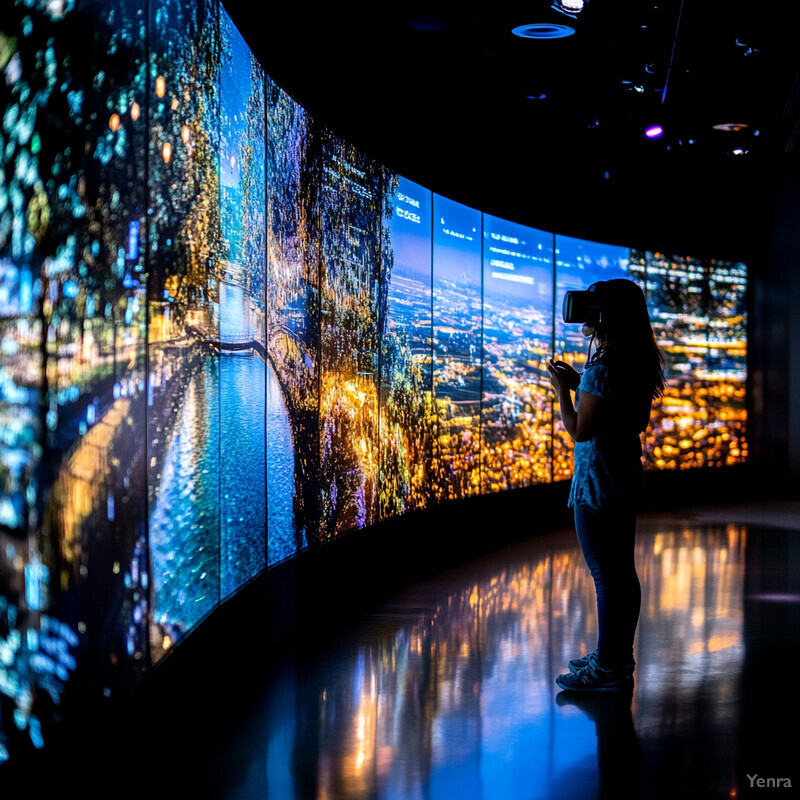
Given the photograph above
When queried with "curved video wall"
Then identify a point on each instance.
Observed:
(228, 336)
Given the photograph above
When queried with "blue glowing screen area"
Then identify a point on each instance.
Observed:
(517, 397)
(229, 336)
(579, 264)
(188, 288)
(457, 320)
(241, 298)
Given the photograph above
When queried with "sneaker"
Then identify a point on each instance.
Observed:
(580, 663)
(594, 678)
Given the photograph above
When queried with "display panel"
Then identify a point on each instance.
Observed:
(727, 363)
(353, 189)
(517, 396)
(292, 327)
(579, 264)
(185, 243)
(242, 313)
(699, 319)
(408, 418)
(73, 581)
(457, 325)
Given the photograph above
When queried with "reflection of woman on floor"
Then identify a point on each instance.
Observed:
(613, 398)
(619, 759)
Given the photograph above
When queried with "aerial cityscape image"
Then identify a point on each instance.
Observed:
(228, 336)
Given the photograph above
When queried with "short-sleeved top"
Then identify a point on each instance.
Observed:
(608, 467)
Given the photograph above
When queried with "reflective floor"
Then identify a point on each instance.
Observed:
(447, 692)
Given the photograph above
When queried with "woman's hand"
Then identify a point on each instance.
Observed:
(579, 422)
(563, 376)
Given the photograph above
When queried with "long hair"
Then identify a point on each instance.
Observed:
(625, 336)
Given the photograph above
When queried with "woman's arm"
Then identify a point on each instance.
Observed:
(579, 421)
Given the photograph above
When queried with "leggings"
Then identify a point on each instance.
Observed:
(607, 541)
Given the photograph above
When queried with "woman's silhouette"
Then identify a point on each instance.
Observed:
(611, 408)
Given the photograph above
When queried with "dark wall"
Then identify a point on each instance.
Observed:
(775, 343)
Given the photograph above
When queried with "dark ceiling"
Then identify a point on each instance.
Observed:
(550, 133)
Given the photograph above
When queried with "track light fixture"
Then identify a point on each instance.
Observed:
(571, 7)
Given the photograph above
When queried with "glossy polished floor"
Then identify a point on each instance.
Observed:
(447, 691)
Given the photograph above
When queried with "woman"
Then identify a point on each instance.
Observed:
(613, 398)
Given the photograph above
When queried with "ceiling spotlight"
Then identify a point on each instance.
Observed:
(654, 132)
(733, 127)
(543, 30)
(569, 6)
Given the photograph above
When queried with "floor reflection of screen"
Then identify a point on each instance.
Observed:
(496, 645)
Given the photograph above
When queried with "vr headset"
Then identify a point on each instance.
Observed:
(582, 306)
